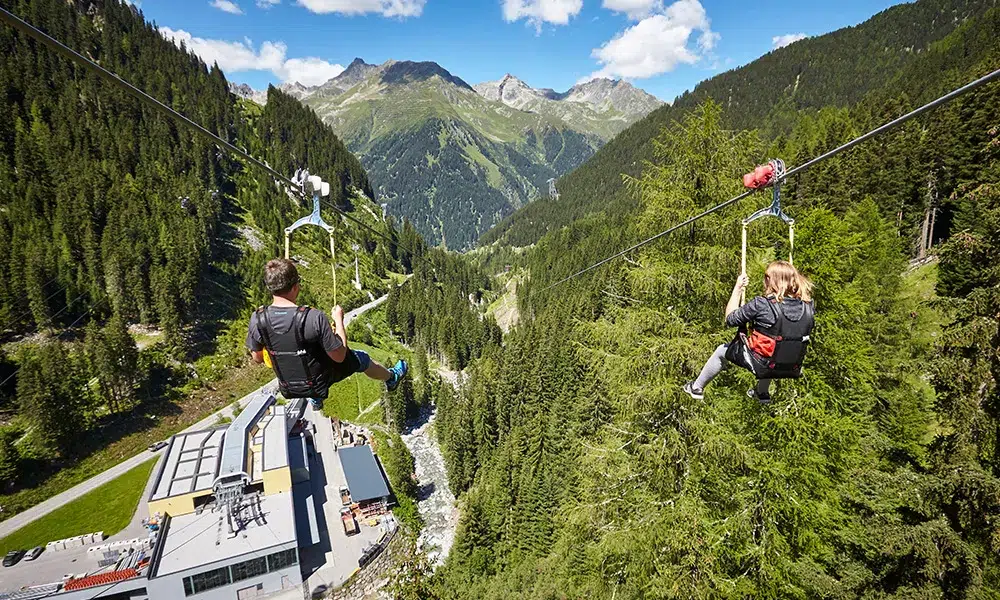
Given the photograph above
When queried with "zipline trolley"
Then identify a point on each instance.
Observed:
(763, 176)
(318, 188)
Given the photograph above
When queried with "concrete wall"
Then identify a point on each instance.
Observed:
(171, 587)
(176, 505)
(367, 582)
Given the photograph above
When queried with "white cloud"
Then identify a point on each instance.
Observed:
(657, 44)
(309, 70)
(235, 57)
(635, 9)
(227, 6)
(537, 12)
(266, 4)
(386, 8)
(780, 41)
(708, 39)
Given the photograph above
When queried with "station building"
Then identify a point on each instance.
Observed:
(228, 524)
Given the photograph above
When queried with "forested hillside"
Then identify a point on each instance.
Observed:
(770, 94)
(584, 470)
(133, 248)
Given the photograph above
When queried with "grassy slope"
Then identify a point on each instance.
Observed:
(109, 508)
(352, 396)
(161, 420)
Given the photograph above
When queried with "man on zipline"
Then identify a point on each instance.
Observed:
(306, 353)
(774, 332)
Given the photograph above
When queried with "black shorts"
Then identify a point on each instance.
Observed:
(356, 361)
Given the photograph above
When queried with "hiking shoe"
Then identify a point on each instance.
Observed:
(762, 399)
(398, 372)
(694, 392)
(316, 403)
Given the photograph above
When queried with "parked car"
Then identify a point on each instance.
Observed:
(12, 558)
(34, 553)
(157, 446)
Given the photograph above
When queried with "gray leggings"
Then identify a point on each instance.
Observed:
(716, 364)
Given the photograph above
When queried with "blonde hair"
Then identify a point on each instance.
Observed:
(783, 280)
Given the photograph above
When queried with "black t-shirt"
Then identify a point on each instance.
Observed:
(318, 331)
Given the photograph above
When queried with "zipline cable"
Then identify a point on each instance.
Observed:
(54, 44)
(989, 78)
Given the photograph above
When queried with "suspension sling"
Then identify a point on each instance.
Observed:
(319, 188)
(771, 352)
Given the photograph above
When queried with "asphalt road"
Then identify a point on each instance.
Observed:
(40, 510)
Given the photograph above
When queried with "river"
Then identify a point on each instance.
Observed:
(435, 501)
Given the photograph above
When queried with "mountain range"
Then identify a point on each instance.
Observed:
(769, 94)
(454, 158)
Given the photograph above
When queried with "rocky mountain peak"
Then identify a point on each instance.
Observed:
(243, 90)
(602, 95)
(607, 94)
(406, 71)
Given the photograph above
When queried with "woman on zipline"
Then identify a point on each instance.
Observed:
(779, 324)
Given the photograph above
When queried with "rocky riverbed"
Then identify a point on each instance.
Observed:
(435, 500)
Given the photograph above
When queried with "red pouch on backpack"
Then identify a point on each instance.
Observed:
(761, 344)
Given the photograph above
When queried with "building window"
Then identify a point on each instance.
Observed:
(249, 592)
(209, 580)
(280, 560)
(249, 568)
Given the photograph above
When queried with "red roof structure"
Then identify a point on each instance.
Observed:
(100, 579)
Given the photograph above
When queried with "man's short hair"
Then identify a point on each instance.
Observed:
(280, 275)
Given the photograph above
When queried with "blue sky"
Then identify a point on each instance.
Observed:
(662, 46)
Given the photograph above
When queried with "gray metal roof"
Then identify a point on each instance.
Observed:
(275, 447)
(234, 450)
(364, 477)
(192, 541)
(190, 463)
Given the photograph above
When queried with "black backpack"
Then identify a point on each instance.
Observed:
(300, 374)
(790, 341)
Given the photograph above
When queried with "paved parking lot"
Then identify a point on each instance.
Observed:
(335, 558)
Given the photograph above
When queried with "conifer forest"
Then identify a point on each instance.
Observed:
(580, 467)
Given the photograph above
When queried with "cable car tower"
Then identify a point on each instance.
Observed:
(318, 188)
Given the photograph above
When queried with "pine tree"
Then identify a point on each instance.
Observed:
(10, 458)
(115, 358)
(52, 395)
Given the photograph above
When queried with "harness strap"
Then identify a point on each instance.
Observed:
(299, 326)
(266, 337)
(779, 319)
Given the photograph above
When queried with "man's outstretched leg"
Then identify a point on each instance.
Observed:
(375, 371)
